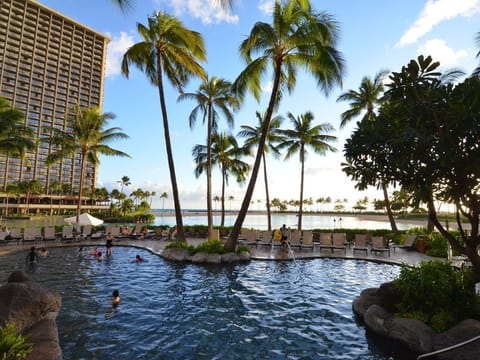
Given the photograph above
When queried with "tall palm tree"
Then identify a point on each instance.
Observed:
(298, 37)
(15, 136)
(86, 134)
(29, 187)
(214, 95)
(226, 154)
(305, 135)
(252, 134)
(168, 49)
(367, 98)
(163, 197)
(124, 181)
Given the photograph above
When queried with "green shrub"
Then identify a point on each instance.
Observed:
(242, 248)
(13, 346)
(211, 246)
(437, 294)
(181, 245)
(436, 245)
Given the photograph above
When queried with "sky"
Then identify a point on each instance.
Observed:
(374, 35)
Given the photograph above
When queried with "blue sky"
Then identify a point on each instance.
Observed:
(375, 35)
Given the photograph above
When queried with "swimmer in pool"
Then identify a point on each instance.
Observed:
(116, 297)
(44, 252)
(99, 256)
(138, 259)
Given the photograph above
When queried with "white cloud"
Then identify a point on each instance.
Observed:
(434, 12)
(440, 51)
(266, 6)
(207, 10)
(268, 87)
(116, 49)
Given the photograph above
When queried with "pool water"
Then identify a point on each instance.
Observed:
(260, 310)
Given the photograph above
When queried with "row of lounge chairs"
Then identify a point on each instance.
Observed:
(332, 242)
(70, 234)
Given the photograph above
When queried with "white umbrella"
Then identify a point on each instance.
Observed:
(84, 219)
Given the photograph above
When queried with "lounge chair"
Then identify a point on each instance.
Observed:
(32, 235)
(307, 240)
(16, 235)
(379, 246)
(251, 237)
(409, 243)
(325, 242)
(3, 237)
(294, 239)
(67, 233)
(86, 232)
(360, 243)
(266, 239)
(115, 232)
(49, 234)
(161, 234)
(339, 242)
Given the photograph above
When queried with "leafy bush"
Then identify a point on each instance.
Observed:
(437, 294)
(436, 245)
(242, 248)
(181, 245)
(211, 246)
(13, 346)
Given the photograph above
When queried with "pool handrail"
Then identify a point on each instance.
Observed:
(452, 347)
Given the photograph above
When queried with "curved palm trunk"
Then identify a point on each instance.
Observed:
(224, 177)
(231, 243)
(80, 189)
(388, 207)
(209, 173)
(168, 145)
(265, 177)
(300, 208)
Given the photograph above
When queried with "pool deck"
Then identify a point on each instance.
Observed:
(397, 255)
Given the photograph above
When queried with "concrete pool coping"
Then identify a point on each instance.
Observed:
(398, 256)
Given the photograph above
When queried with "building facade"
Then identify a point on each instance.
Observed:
(48, 63)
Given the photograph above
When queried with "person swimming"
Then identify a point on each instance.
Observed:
(99, 256)
(44, 252)
(138, 259)
(32, 256)
(116, 297)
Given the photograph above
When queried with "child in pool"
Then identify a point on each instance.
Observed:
(99, 256)
(138, 259)
(116, 297)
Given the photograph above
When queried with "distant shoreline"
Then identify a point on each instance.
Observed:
(366, 217)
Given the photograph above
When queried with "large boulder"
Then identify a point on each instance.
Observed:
(175, 254)
(367, 298)
(465, 330)
(230, 258)
(33, 310)
(413, 334)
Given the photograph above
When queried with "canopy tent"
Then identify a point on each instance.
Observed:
(84, 219)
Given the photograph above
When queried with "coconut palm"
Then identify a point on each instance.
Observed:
(252, 135)
(15, 136)
(226, 154)
(214, 95)
(124, 181)
(366, 99)
(86, 134)
(305, 135)
(368, 96)
(29, 187)
(168, 50)
(163, 197)
(298, 37)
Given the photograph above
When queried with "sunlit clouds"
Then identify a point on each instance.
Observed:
(435, 12)
(208, 11)
(116, 48)
(440, 51)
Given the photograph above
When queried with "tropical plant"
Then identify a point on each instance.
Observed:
(86, 134)
(252, 135)
(163, 197)
(11, 189)
(15, 137)
(168, 50)
(124, 181)
(29, 187)
(298, 37)
(226, 154)
(305, 135)
(476, 72)
(13, 346)
(212, 96)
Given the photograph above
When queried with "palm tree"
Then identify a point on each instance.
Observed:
(163, 197)
(15, 136)
(124, 181)
(303, 135)
(55, 188)
(168, 49)
(226, 155)
(476, 72)
(11, 189)
(297, 37)
(85, 134)
(29, 187)
(365, 99)
(252, 135)
(213, 95)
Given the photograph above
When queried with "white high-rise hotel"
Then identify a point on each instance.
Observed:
(48, 62)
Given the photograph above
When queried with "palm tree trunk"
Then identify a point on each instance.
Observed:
(224, 177)
(265, 177)
(300, 208)
(209, 173)
(168, 145)
(80, 189)
(231, 243)
(388, 207)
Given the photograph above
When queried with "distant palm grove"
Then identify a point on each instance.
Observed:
(417, 133)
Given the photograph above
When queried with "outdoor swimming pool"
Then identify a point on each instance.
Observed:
(260, 310)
